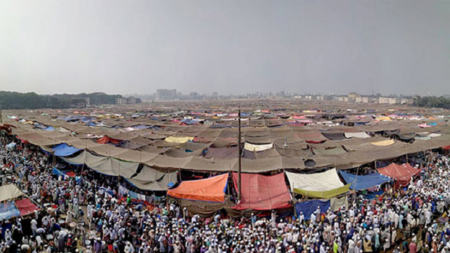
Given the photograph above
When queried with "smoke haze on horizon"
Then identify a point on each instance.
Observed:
(230, 47)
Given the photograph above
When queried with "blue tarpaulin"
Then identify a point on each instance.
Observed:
(141, 127)
(308, 207)
(64, 150)
(362, 182)
(372, 195)
(58, 173)
(8, 210)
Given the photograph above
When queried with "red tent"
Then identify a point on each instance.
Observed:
(208, 189)
(25, 206)
(446, 147)
(262, 192)
(401, 173)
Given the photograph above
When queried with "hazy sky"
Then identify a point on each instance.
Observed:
(138, 46)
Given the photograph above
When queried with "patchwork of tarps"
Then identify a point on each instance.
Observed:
(293, 144)
(259, 192)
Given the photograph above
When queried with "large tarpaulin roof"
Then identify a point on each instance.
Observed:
(209, 189)
(9, 191)
(362, 182)
(323, 181)
(262, 192)
(330, 151)
(401, 173)
(87, 158)
(114, 167)
(323, 194)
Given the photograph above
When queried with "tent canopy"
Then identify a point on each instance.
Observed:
(362, 182)
(324, 181)
(401, 173)
(262, 192)
(208, 189)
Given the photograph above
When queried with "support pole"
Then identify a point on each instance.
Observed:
(240, 154)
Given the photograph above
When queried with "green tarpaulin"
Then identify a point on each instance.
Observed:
(323, 194)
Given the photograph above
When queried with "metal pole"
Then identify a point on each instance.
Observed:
(240, 154)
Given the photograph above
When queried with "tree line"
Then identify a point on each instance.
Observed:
(31, 100)
(437, 102)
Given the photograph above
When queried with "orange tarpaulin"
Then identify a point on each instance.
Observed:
(402, 173)
(209, 189)
(262, 192)
(105, 139)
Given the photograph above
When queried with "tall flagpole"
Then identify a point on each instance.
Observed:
(240, 154)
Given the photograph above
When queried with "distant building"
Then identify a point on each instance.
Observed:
(343, 99)
(393, 101)
(128, 101)
(121, 101)
(353, 96)
(383, 100)
(166, 93)
(362, 99)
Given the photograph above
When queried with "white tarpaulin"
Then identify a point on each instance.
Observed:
(359, 135)
(433, 135)
(324, 181)
(9, 191)
(254, 147)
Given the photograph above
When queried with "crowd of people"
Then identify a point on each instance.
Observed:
(81, 216)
